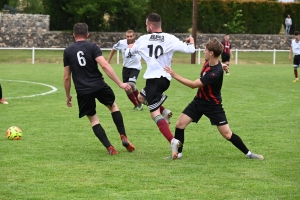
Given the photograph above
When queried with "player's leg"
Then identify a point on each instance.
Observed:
(166, 113)
(155, 98)
(87, 107)
(134, 74)
(2, 100)
(101, 135)
(107, 98)
(217, 117)
(237, 142)
(296, 65)
(126, 79)
(192, 113)
(181, 123)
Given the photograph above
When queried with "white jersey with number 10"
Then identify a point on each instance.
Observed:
(157, 50)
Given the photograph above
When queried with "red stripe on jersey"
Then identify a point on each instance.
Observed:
(211, 94)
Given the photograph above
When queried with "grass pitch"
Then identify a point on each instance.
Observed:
(60, 158)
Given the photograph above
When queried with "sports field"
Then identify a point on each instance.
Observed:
(60, 158)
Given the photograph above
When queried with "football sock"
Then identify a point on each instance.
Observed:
(118, 120)
(161, 109)
(296, 73)
(136, 93)
(101, 135)
(238, 143)
(179, 135)
(163, 127)
(132, 98)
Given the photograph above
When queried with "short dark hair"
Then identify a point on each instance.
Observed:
(296, 33)
(80, 29)
(154, 18)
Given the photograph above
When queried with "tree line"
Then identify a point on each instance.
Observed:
(214, 16)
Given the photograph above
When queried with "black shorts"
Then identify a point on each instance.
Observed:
(87, 102)
(297, 61)
(130, 74)
(216, 114)
(225, 57)
(153, 92)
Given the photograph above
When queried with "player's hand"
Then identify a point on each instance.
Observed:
(125, 86)
(225, 67)
(290, 57)
(190, 39)
(108, 61)
(69, 101)
(169, 70)
(130, 45)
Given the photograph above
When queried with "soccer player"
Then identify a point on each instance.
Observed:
(81, 60)
(226, 52)
(157, 49)
(2, 100)
(295, 49)
(208, 100)
(131, 67)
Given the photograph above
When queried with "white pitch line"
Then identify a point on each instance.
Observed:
(54, 89)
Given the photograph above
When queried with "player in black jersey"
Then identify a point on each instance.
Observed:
(208, 100)
(81, 60)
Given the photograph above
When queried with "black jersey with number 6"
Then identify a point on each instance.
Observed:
(81, 58)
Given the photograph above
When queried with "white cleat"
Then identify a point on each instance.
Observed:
(175, 144)
(255, 156)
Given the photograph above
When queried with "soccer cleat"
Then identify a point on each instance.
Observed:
(179, 155)
(175, 144)
(111, 150)
(139, 107)
(255, 156)
(125, 142)
(296, 80)
(167, 114)
(3, 101)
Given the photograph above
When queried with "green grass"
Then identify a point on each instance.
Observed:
(60, 158)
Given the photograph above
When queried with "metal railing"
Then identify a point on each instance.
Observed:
(118, 52)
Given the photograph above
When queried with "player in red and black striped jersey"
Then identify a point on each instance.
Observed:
(208, 100)
(81, 61)
(226, 51)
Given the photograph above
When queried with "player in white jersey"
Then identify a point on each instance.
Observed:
(157, 49)
(295, 49)
(131, 67)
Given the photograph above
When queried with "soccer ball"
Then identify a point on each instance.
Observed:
(14, 133)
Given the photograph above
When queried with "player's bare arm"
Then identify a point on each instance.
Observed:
(67, 85)
(225, 67)
(111, 73)
(111, 55)
(189, 83)
(291, 53)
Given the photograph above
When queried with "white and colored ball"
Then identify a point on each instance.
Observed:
(14, 133)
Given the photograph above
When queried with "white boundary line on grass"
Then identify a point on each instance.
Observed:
(54, 89)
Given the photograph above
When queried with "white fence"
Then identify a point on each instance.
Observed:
(118, 52)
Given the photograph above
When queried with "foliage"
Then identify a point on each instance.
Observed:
(262, 17)
(236, 25)
(293, 10)
(176, 14)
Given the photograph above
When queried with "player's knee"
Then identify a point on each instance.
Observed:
(141, 99)
(132, 85)
(180, 125)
